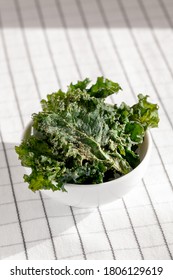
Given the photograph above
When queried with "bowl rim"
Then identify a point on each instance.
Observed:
(147, 138)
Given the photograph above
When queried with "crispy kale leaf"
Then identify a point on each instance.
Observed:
(80, 139)
(103, 88)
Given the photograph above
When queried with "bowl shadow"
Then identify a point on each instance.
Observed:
(30, 223)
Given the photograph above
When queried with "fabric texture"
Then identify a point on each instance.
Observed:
(46, 44)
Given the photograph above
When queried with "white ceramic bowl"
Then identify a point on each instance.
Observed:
(85, 196)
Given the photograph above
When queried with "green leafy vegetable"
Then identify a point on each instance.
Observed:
(80, 139)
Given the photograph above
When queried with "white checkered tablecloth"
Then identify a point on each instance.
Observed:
(46, 44)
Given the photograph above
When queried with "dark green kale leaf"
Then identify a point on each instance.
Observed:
(82, 85)
(103, 88)
(80, 139)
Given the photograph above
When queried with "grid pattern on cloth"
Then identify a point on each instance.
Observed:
(46, 44)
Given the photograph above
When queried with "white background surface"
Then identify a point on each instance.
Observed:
(44, 45)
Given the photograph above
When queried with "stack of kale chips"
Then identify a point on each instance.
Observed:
(80, 139)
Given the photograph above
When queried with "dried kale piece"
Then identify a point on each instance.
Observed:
(82, 140)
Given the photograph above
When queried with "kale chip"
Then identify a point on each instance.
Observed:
(80, 139)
